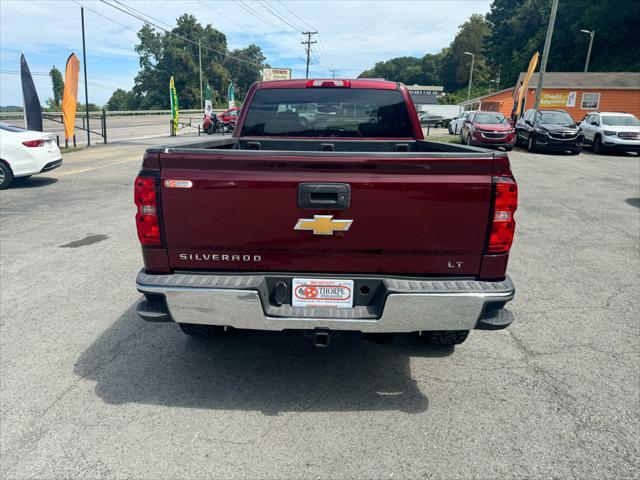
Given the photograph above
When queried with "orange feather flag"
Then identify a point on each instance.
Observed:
(70, 96)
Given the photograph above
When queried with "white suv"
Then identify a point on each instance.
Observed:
(455, 125)
(611, 131)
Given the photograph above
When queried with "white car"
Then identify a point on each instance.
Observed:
(611, 131)
(24, 153)
(455, 126)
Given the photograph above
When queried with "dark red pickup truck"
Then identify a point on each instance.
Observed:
(326, 210)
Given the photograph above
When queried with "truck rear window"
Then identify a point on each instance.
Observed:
(328, 112)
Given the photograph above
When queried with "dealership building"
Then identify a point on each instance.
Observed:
(575, 92)
(425, 95)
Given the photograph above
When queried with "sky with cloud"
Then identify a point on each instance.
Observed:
(353, 35)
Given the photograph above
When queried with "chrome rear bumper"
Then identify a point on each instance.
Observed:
(406, 305)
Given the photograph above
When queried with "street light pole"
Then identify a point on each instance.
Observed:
(200, 62)
(545, 53)
(86, 88)
(591, 34)
(473, 58)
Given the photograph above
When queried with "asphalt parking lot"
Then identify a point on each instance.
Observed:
(89, 390)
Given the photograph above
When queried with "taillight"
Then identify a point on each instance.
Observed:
(505, 191)
(33, 143)
(145, 196)
(329, 83)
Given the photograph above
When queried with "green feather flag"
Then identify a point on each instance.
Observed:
(174, 104)
(208, 105)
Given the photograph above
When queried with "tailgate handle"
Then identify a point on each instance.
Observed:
(327, 196)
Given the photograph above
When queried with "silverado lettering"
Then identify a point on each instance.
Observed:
(356, 222)
(202, 257)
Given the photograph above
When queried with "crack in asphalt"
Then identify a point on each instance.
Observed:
(580, 424)
(35, 431)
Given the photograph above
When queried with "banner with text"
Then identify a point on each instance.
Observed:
(276, 74)
(565, 99)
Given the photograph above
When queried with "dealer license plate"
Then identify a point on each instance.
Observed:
(322, 292)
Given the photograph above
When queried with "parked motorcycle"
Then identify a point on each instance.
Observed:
(212, 124)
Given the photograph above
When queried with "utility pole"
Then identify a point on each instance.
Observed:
(473, 57)
(308, 43)
(333, 73)
(545, 53)
(86, 88)
(200, 62)
(591, 34)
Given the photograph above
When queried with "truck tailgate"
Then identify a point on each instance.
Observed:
(412, 213)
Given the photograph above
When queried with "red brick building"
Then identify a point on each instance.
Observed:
(575, 92)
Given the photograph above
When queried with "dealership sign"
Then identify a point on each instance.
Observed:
(276, 73)
(567, 99)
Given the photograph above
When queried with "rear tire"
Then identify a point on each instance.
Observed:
(447, 338)
(201, 331)
(597, 145)
(6, 176)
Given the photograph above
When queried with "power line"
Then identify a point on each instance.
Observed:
(224, 16)
(143, 18)
(322, 59)
(276, 14)
(104, 16)
(274, 25)
(324, 53)
(44, 74)
(294, 14)
(142, 13)
(267, 22)
(264, 20)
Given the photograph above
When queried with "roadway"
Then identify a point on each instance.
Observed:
(90, 390)
(119, 128)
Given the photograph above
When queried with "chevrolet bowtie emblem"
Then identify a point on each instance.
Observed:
(323, 225)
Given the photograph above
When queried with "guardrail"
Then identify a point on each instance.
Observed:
(115, 113)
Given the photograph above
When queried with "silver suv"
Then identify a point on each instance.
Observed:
(611, 131)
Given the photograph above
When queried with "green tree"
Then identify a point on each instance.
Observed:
(163, 55)
(518, 29)
(57, 84)
(456, 64)
(408, 70)
(243, 65)
(512, 32)
(92, 107)
(121, 100)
